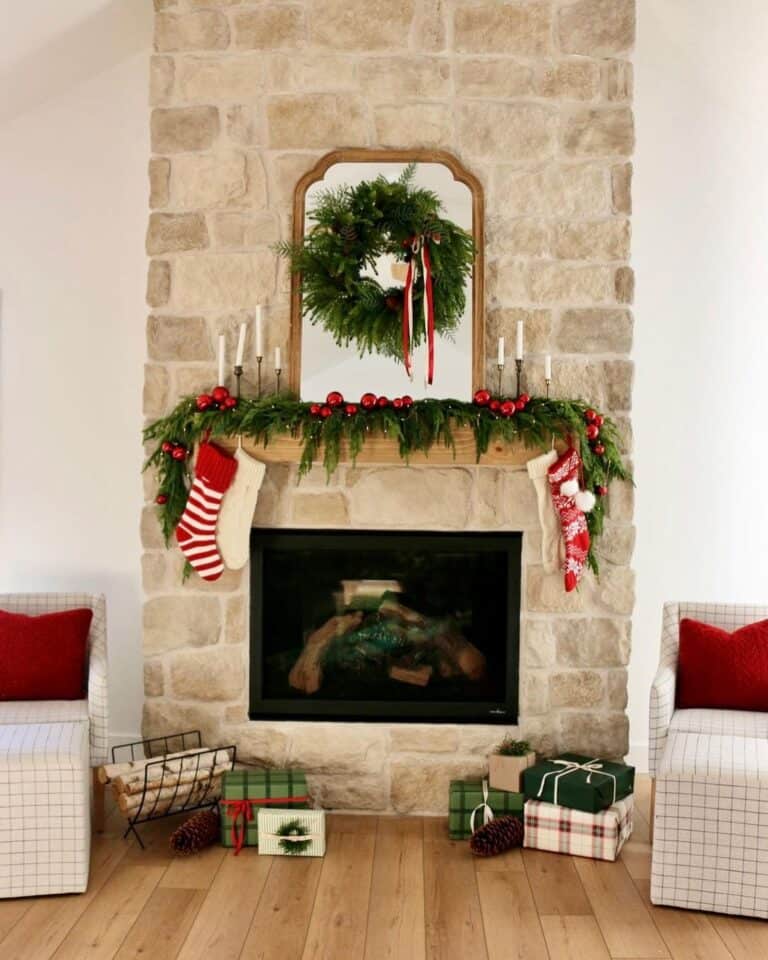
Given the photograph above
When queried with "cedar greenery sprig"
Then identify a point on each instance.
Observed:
(418, 428)
(513, 748)
(355, 225)
(293, 828)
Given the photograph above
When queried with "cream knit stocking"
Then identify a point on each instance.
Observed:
(552, 547)
(233, 530)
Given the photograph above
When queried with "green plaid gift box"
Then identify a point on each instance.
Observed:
(580, 782)
(244, 792)
(467, 796)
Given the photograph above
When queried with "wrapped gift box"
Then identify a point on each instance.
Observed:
(580, 782)
(299, 833)
(244, 792)
(468, 796)
(564, 830)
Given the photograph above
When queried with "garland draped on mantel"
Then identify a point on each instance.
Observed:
(417, 428)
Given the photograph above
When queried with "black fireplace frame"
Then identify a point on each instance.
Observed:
(378, 711)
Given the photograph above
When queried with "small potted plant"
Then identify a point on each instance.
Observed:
(507, 762)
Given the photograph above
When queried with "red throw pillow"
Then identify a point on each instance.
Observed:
(44, 658)
(727, 671)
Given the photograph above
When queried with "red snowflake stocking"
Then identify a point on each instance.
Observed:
(196, 532)
(564, 485)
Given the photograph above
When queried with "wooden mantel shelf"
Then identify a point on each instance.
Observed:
(380, 449)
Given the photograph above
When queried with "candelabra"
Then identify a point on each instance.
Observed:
(259, 361)
(500, 368)
(278, 371)
(548, 381)
(238, 374)
(519, 369)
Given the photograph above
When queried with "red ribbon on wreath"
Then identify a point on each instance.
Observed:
(420, 247)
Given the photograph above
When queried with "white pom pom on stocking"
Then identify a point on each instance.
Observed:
(569, 488)
(585, 500)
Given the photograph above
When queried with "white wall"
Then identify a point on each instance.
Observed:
(73, 211)
(700, 246)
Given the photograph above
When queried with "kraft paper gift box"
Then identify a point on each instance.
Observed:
(244, 792)
(298, 833)
(468, 797)
(578, 781)
(564, 830)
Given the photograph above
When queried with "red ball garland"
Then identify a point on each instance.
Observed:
(482, 398)
(599, 420)
(161, 499)
(325, 412)
(219, 394)
(592, 431)
(397, 403)
(334, 399)
(599, 449)
(507, 408)
(368, 401)
(167, 446)
(601, 490)
(228, 403)
(382, 402)
(350, 409)
(179, 453)
(203, 402)
(494, 406)
(407, 401)
(589, 415)
(524, 399)
(519, 404)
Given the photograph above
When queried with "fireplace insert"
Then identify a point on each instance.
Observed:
(387, 626)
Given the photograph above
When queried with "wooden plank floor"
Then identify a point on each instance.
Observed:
(388, 889)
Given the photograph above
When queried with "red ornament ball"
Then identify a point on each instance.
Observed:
(524, 399)
(203, 402)
(228, 403)
(397, 403)
(179, 453)
(407, 401)
(519, 404)
(219, 394)
(161, 499)
(382, 402)
(592, 431)
(350, 409)
(482, 398)
(601, 490)
(368, 401)
(599, 420)
(494, 406)
(507, 408)
(314, 409)
(325, 412)
(599, 449)
(334, 399)
(167, 446)
(589, 415)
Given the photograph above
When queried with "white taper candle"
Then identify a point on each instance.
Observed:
(500, 359)
(241, 345)
(547, 367)
(259, 333)
(519, 341)
(222, 345)
(278, 364)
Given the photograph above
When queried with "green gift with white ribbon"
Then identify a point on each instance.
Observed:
(579, 781)
(472, 803)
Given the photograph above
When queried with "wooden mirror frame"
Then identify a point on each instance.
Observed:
(461, 174)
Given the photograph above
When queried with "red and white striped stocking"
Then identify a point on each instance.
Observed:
(196, 532)
(564, 484)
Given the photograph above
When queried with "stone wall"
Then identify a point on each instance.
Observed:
(535, 98)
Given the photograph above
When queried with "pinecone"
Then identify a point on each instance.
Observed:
(199, 831)
(496, 837)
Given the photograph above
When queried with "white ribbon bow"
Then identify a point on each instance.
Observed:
(484, 806)
(591, 766)
(292, 837)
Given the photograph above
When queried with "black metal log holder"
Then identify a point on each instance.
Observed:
(160, 747)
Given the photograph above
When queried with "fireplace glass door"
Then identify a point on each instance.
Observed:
(369, 625)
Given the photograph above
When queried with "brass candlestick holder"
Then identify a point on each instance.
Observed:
(519, 370)
(500, 368)
(238, 374)
(278, 371)
(548, 381)
(259, 361)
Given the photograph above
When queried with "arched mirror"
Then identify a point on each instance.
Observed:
(453, 352)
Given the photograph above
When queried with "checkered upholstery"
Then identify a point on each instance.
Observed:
(710, 845)
(34, 604)
(45, 831)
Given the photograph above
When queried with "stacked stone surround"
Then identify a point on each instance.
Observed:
(534, 98)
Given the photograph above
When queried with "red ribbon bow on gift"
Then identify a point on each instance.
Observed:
(244, 808)
(420, 246)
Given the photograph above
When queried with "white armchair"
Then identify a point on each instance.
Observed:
(710, 766)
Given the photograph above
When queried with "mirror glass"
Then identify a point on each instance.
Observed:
(326, 367)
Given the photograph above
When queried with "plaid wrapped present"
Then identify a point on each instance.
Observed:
(244, 791)
(473, 803)
(563, 830)
(583, 783)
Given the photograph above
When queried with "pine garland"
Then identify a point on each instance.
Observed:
(418, 428)
(353, 226)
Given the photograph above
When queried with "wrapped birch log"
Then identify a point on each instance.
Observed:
(111, 771)
(157, 802)
(179, 770)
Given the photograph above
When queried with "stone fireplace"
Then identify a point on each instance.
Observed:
(535, 98)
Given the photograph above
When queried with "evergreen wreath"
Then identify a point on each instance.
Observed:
(293, 828)
(353, 226)
(414, 428)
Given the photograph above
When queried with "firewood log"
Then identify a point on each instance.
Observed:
(167, 776)
(418, 676)
(155, 802)
(307, 672)
(111, 771)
